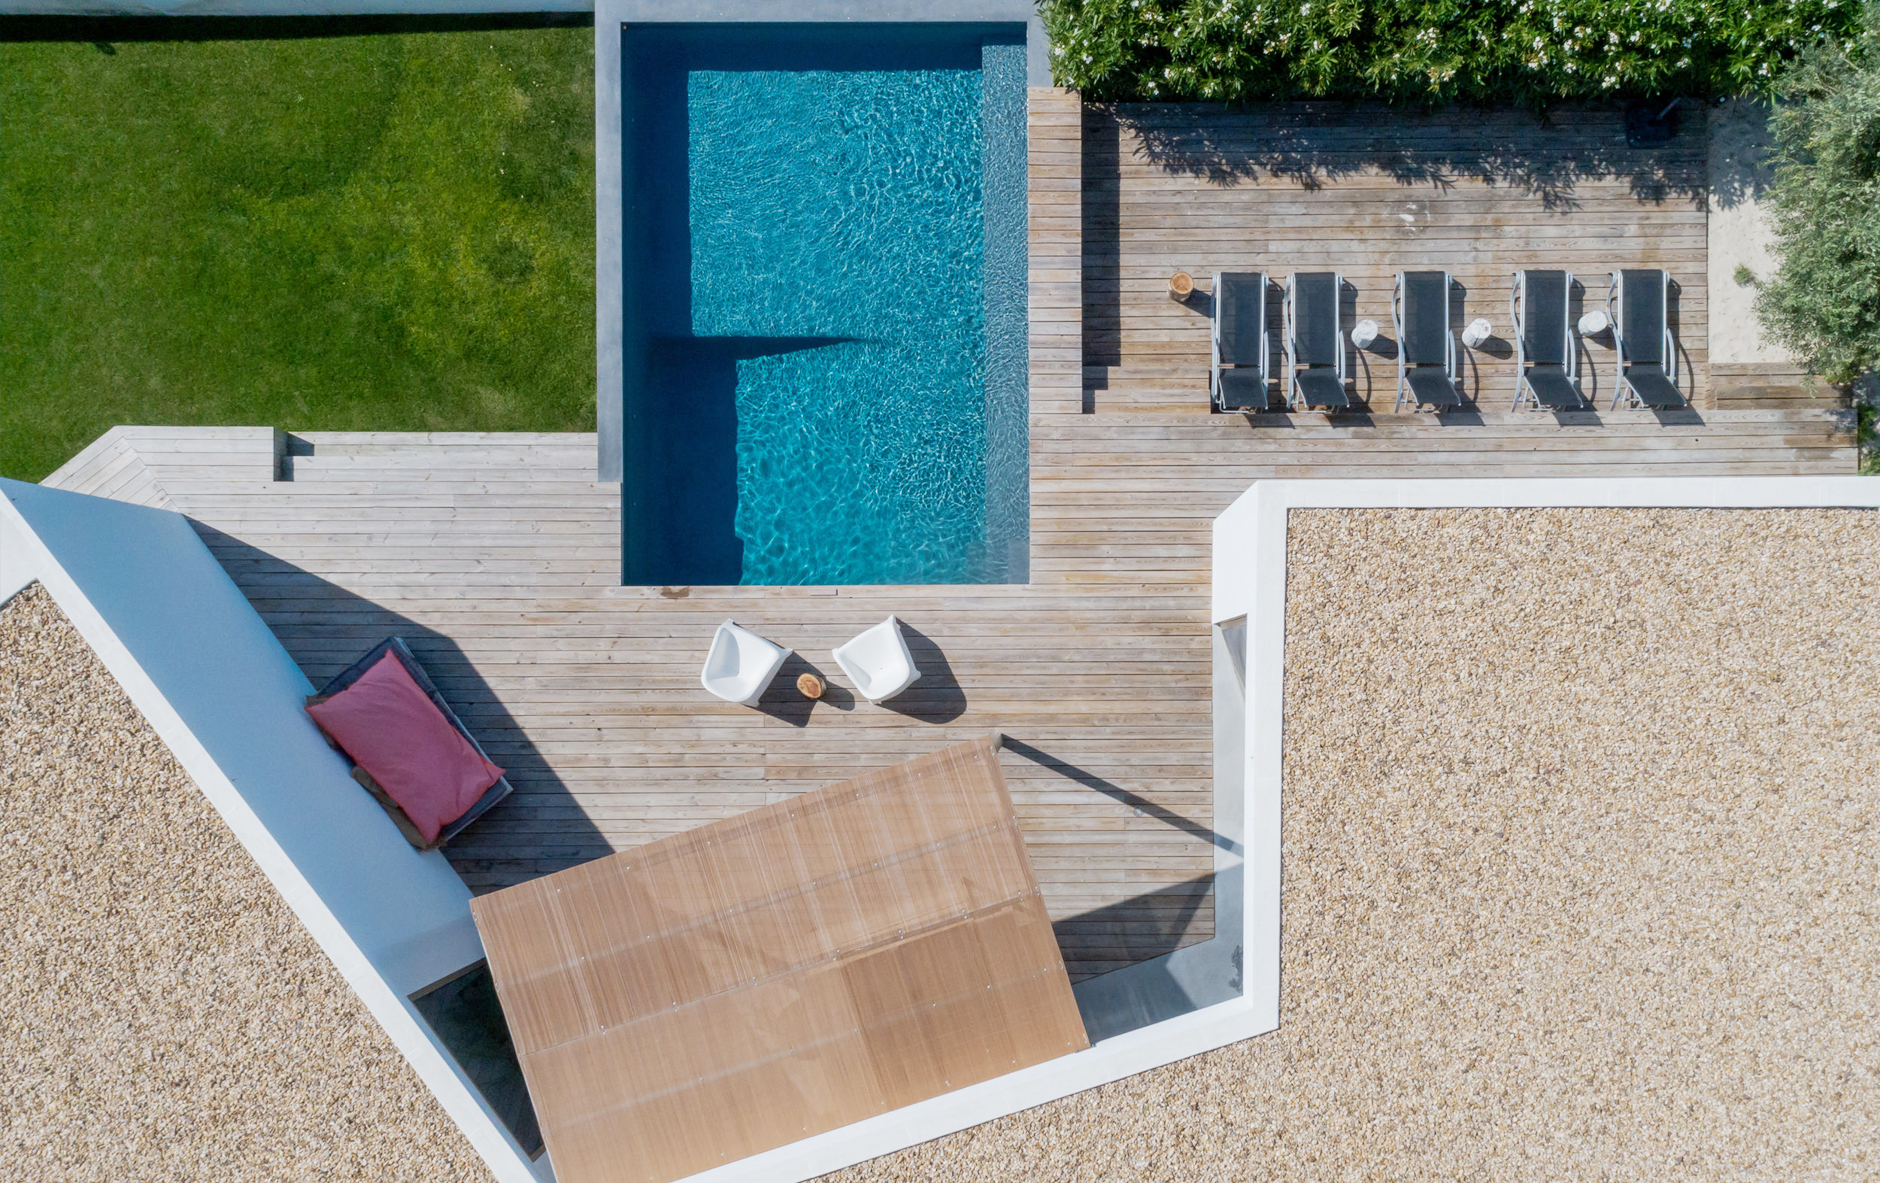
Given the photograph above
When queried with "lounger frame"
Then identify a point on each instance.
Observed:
(1295, 397)
(1216, 390)
(1517, 303)
(1452, 355)
(1622, 390)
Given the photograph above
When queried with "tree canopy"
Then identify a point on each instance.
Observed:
(1823, 303)
(1432, 51)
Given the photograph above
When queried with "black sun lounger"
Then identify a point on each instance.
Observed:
(1315, 340)
(1426, 347)
(1547, 358)
(1638, 304)
(1240, 347)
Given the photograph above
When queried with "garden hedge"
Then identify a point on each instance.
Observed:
(1432, 51)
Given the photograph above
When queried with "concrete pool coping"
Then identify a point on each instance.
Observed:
(609, 197)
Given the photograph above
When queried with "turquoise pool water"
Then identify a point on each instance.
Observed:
(830, 304)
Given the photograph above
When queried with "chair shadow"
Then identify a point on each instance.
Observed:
(938, 696)
(1687, 373)
(783, 702)
(1469, 376)
(542, 803)
(1581, 300)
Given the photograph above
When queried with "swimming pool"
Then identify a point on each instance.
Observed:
(824, 304)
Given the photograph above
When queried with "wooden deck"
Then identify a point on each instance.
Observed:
(498, 557)
(1368, 192)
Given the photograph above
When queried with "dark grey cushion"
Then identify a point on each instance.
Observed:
(1315, 318)
(1322, 388)
(1425, 318)
(1554, 389)
(1653, 387)
(1240, 307)
(1544, 317)
(1432, 387)
(1243, 390)
(1642, 315)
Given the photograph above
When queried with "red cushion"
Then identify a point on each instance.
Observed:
(396, 733)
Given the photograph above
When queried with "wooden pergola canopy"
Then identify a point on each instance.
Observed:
(780, 973)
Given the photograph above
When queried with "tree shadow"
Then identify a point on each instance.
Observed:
(1317, 144)
(1741, 142)
(542, 816)
(1102, 246)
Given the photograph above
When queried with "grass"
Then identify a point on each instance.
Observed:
(366, 232)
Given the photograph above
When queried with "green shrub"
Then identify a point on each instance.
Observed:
(1431, 51)
(1823, 303)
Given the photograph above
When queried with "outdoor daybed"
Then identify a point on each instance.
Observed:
(407, 747)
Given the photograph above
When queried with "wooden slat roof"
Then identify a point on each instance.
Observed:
(780, 973)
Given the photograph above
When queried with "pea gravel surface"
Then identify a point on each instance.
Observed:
(1581, 869)
(163, 1015)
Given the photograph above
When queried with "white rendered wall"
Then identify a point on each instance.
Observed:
(222, 693)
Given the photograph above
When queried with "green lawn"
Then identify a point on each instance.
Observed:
(390, 232)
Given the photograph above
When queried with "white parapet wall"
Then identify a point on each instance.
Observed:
(1250, 583)
(190, 651)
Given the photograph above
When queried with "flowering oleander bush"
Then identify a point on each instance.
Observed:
(1823, 303)
(1432, 51)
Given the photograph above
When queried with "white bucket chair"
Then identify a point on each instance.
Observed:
(878, 662)
(741, 664)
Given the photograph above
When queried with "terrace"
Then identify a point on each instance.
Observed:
(497, 556)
